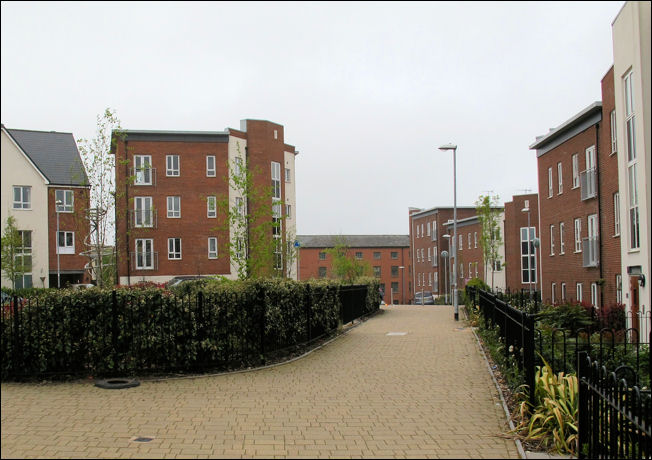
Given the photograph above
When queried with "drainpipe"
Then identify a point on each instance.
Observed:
(127, 221)
(597, 180)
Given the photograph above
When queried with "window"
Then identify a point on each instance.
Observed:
(578, 235)
(632, 179)
(475, 239)
(174, 207)
(461, 242)
(434, 230)
(561, 238)
(422, 258)
(418, 279)
(528, 256)
(210, 166)
(276, 180)
(429, 279)
(144, 254)
(552, 240)
(394, 271)
(240, 206)
(358, 255)
(377, 271)
(476, 269)
(322, 256)
(616, 214)
(549, 182)
(578, 290)
(435, 256)
(376, 255)
(594, 294)
(212, 247)
(174, 248)
(395, 287)
(497, 266)
(461, 270)
(22, 197)
(422, 234)
(172, 165)
(23, 259)
(143, 212)
(468, 238)
(612, 120)
(322, 272)
(211, 207)
(417, 231)
(66, 242)
(394, 255)
(276, 134)
(238, 166)
(470, 269)
(619, 288)
(67, 198)
(429, 258)
(435, 280)
(287, 174)
(428, 229)
(553, 289)
(576, 170)
(143, 170)
(560, 185)
(563, 292)
(288, 211)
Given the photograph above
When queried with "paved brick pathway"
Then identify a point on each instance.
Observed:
(423, 394)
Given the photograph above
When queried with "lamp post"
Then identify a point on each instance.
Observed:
(56, 242)
(444, 148)
(402, 285)
(444, 255)
(297, 245)
(529, 250)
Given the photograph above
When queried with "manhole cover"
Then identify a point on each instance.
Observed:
(117, 383)
(142, 439)
(396, 333)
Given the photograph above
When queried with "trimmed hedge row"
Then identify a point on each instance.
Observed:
(127, 331)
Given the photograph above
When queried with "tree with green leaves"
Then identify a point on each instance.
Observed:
(255, 221)
(344, 266)
(14, 262)
(490, 239)
(100, 170)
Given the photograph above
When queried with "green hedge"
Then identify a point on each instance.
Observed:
(220, 324)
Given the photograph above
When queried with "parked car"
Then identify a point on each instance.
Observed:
(179, 280)
(423, 298)
(81, 286)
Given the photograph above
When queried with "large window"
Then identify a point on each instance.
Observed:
(66, 242)
(174, 248)
(22, 197)
(553, 292)
(528, 256)
(172, 165)
(142, 170)
(174, 207)
(144, 254)
(143, 212)
(66, 197)
(23, 259)
(276, 180)
(632, 179)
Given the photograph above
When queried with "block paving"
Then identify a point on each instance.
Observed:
(425, 394)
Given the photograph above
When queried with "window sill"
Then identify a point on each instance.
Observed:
(22, 209)
(617, 235)
(633, 251)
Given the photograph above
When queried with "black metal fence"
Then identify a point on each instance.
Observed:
(112, 333)
(615, 417)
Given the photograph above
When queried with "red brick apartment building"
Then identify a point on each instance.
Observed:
(40, 168)
(167, 187)
(388, 256)
(521, 260)
(578, 206)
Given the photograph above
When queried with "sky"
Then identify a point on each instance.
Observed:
(366, 91)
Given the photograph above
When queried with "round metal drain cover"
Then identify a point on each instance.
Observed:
(117, 383)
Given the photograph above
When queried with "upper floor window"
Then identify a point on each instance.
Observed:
(632, 177)
(435, 256)
(322, 256)
(461, 242)
(212, 247)
(288, 211)
(552, 240)
(376, 255)
(66, 242)
(560, 185)
(143, 169)
(549, 182)
(614, 143)
(468, 237)
(211, 207)
(578, 235)
(475, 239)
(616, 214)
(576, 170)
(143, 211)
(210, 166)
(66, 200)
(276, 180)
(22, 197)
(434, 230)
(394, 255)
(417, 231)
(358, 255)
(174, 206)
(561, 238)
(287, 175)
(428, 229)
(174, 248)
(429, 257)
(172, 165)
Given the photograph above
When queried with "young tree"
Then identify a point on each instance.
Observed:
(14, 263)
(255, 223)
(344, 266)
(490, 238)
(100, 169)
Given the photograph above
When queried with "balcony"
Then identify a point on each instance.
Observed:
(147, 218)
(590, 252)
(144, 260)
(587, 183)
(142, 176)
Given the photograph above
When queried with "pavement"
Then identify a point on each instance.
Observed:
(410, 382)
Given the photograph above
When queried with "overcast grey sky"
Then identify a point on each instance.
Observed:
(366, 91)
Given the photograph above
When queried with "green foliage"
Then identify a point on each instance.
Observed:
(567, 316)
(505, 359)
(345, 266)
(217, 324)
(490, 238)
(14, 265)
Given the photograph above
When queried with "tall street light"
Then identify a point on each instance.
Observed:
(444, 148)
(444, 255)
(529, 251)
(56, 242)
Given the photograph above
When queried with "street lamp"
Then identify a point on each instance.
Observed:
(56, 242)
(402, 285)
(297, 246)
(529, 251)
(445, 148)
(444, 255)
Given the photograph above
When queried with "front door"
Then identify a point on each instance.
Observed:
(633, 295)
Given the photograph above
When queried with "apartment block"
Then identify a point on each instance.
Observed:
(45, 188)
(168, 186)
(521, 262)
(387, 255)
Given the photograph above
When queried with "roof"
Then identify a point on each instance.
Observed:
(354, 241)
(579, 122)
(55, 155)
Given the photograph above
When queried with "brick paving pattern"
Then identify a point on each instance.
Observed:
(426, 394)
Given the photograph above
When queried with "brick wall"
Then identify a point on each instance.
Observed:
(515, 219)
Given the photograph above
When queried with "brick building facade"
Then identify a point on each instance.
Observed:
(521, 261)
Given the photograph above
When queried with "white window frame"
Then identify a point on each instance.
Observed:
(67, 248)
(614, 131)
(619, 288)
(25, 197)
(143, 215)
(142, 263)
(288, 175)
(617, 214)
(143, 171)
(434, 229)
(67, 198)
(560, 183)
(174, 207)
(22, 252)
(594, 294)
(468, 239)
(435, 256)
(212, 251)
(461, 271)
(578, 234)
(576, 170)
(578, 291)
(172, 170)
(461, 242)
(552, 239)
(631, 155)
(211, 207)
(470, 268)
(210, 169)
(429, 257)
(174, 252)
(428, 230)
(553, 292)
(563, 292)
(417, 230)
(276, 180)
(288, 211)
(561, 238)
(475, 240)
(530, 256)
(550, 182)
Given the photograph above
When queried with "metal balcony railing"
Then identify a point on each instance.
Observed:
(590, 252)
(587, 184)
(144, 260)
(143, 176)
(143, 218)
